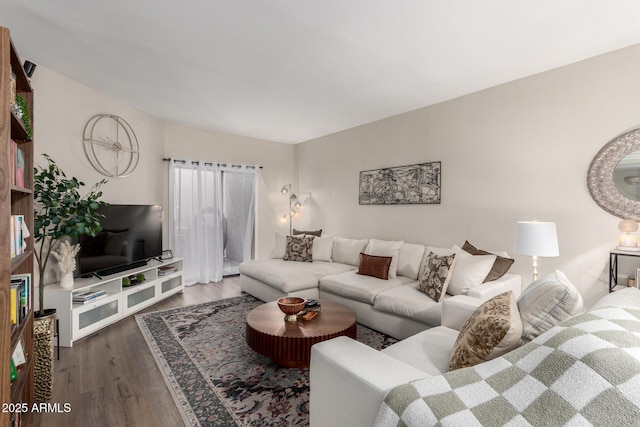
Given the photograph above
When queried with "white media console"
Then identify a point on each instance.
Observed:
(79, 320)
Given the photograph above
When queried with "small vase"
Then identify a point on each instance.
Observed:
(66, 281)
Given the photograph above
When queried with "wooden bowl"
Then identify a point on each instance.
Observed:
(290, 306)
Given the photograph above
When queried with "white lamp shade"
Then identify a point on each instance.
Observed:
(536, 239)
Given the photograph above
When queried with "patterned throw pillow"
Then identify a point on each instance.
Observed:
(435, 275)
(492, 330)
(299, 249)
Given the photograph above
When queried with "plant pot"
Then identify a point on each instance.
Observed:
(43, 331)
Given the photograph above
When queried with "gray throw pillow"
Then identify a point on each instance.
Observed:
(317, 233)
(547, 302)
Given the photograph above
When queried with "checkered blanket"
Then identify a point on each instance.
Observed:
(585, 371)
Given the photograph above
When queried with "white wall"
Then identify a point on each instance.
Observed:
(63, 106)
(519, 151)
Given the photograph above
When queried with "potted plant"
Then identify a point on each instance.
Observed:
(59, 211)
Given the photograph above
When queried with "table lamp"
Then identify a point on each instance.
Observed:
(536, 239)
(628, 242)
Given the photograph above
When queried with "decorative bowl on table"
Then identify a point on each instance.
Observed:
(291, 306)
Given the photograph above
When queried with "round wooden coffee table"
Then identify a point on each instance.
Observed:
(289, 343)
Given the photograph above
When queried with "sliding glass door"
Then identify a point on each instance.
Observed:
(212, 218)
(238, 199)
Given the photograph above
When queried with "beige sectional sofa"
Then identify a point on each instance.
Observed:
(394, 306)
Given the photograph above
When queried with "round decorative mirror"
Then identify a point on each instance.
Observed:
(613, 178)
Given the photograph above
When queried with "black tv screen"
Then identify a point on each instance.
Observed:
(131, 235)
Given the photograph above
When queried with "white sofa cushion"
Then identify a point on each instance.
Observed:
(347, 251)
(469, 271)
(322, 248)
(279, 246)
(358, 287)
(409, 302)
(386, 248)
(428, 351)
(290, 276)
(409, 260)
(629, 297)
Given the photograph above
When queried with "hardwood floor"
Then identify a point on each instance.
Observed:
(111, 379)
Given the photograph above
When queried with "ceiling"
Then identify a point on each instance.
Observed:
(294, 70)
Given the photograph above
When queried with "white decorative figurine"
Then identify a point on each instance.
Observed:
(66, 256)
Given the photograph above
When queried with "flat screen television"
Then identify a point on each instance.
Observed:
(131, 235)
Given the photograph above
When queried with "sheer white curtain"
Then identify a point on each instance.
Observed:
(196, 220)
(239, 212)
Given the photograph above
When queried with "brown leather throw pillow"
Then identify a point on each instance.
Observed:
(374, 265)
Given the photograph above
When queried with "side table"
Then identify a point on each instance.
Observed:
(613, 265)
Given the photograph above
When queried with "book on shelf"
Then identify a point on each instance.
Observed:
(87, 301)
(23, 305)
(87, 296)
(165, 270)
(17, 241)
(19, 172)
(14, 297)
(18, 234)
(17, 165)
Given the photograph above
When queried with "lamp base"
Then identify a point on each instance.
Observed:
(629, 248)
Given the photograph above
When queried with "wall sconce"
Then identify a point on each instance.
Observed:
(628, 242)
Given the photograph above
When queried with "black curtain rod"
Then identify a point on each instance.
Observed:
(194, 162)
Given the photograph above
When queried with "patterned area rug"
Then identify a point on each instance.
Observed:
(216, 379)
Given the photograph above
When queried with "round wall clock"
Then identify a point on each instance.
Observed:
(111, 145)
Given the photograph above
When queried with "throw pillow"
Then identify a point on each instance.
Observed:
(375, 266)
(386, 248)
(440, 251)
(500, 266)
(322, 248)
(347, 251)
(410, 260)
(470, 271)
(436, 274)
(279, 246)
(317, 233)
(492, 330)
(547, 302)
(299, 249)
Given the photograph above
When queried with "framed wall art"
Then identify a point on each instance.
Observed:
(401, 185)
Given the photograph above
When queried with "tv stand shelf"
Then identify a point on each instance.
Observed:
(78, 320)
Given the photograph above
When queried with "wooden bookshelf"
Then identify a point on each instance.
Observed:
(14, 200)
